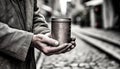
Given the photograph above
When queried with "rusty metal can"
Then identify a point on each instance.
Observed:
(61, 29)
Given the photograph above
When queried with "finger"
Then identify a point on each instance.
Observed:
(65, 49)
(48, 40)
(51, 50)
(69, 49)
(51, 41)
(48, 34)
(57, 49)
(44, 48)
(73, 38)
(73, 43)
(73, 46)
(41, 45)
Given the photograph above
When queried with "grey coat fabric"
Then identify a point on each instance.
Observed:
(19, 20)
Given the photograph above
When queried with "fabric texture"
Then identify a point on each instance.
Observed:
(19, 20)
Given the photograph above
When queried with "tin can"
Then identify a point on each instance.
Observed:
(61, 29)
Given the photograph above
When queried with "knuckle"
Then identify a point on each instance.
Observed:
(45, 51)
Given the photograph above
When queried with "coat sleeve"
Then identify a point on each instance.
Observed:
(40, 24)
(14, 42)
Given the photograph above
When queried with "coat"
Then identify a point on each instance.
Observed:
(19, 21)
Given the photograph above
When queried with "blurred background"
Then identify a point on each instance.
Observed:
(95, 24)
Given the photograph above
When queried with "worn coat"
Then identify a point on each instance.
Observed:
(19, 19)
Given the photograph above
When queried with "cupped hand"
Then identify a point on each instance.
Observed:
(50, 46)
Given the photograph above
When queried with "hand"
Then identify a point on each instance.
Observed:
(71, 42)
(50, 46)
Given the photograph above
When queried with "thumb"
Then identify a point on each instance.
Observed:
(48, 40)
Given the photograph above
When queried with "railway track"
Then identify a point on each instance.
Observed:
(106, 45)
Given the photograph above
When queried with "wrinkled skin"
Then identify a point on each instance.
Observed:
(50, 46)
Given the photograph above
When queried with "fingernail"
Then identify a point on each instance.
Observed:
(72, 46)
(56, 43)
(66, 44)
(73, 42)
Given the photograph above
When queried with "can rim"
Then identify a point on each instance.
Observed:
(61, 19)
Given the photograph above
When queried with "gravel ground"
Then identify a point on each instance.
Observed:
(83, 56)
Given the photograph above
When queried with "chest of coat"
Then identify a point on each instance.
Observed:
(17, 14)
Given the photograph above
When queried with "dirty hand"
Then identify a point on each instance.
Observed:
(50, 46)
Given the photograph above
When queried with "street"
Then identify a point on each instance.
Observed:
(84, 56)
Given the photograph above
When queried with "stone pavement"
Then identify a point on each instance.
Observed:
(82, 57)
